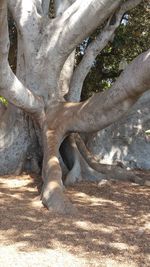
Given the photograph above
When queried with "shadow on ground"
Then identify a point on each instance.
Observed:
(111, 228)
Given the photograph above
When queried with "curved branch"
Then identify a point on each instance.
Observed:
(10, 87)
(16, 93)
(72, 27)
(67, 70)
(81, 19)
(94, 49)
(111, 171)
(69, 30)
(104, 108)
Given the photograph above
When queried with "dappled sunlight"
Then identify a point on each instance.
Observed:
(111, 226)
(125, 141)
(48, 257)
(96, 201)
(14, 182)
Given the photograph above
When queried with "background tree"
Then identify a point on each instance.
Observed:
(44, 112)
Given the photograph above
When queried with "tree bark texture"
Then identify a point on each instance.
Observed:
(41, 121)
(125, 141)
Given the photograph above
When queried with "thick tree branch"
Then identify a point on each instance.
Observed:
(95, 48)
(69, 30)
(67, 70)
(110, 171)
(25, 14)
(66, 74)
(104, 108)
(10, 87)
(75, 26)
(16, 93)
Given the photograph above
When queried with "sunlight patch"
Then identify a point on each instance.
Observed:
(14, 182)
(113, 263)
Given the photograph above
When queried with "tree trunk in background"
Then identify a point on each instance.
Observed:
(125, 141)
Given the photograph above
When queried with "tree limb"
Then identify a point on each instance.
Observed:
(75, 27)
(69, 30)
(94, 49)
(10, 87)
(110, 171)
(16, 93)
(67, 70)
(104, 108)
(25, 14)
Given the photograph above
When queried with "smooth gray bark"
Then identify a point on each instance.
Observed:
(45, 6)
(125, 141)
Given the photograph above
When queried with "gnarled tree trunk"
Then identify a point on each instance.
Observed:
(44, 110)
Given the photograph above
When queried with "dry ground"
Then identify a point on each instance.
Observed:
(111, 229)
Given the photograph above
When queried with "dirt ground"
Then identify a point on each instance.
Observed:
(111, 228)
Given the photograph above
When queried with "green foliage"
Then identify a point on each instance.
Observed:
(147, 132)
(3, 100)
(132, 38)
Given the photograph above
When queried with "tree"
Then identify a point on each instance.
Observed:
(44, 115)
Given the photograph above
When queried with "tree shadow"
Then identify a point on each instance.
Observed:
(112, 220)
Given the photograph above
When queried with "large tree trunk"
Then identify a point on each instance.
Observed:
(14, 141)
(39, 122)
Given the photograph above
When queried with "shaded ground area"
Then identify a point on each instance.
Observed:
(111, 229)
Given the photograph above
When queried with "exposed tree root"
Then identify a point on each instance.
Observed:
(110, 171)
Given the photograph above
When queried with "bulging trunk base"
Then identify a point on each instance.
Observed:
(19, 148)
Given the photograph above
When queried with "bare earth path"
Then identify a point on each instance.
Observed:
(111, 229)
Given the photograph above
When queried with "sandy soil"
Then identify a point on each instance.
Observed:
(111, 229)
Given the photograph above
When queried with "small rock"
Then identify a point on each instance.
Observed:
(140, 232)
(103, 182)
